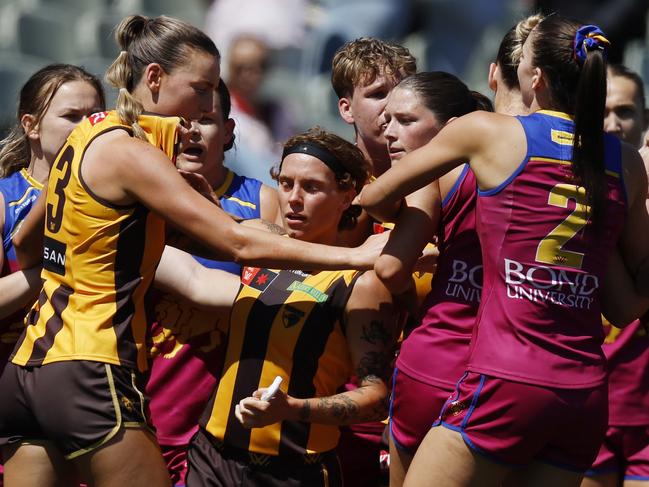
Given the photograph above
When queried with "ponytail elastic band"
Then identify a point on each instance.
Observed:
(589, 38)
(123, 53)
(318, 152)
(123, 91)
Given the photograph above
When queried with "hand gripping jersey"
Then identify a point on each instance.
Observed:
(450, 309)
(285, 323)
(627, 352)
(539, 318)
(98, 260)
(188, 343)
(19, 191)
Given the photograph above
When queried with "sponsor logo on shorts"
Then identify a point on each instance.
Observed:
(543, 284)
(456, 408)
(127, 403)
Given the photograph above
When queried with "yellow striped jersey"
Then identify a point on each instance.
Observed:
(98, 260)
(288, 324)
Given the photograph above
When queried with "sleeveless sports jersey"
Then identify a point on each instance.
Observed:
(19, 192)
(188, 343)
(285, 323)
(450, 309)
(627, 351)
(98, 260)
(539, 319)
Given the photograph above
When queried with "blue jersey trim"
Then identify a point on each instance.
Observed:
(244, 189)
(517, 171)
(456, 185)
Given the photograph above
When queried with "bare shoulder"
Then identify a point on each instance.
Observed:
(269, 202)
(369, 289)
(487, 122)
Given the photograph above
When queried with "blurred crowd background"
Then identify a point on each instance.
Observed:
(276, 54)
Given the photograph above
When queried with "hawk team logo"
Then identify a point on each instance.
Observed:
(257, 278)
(291, 316)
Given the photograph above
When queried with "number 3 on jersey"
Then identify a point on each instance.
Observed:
(62, 170)
(549, 250)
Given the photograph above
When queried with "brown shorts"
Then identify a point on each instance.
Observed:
(212, 464)
(77, 405)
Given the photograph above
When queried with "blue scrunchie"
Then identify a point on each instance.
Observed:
(589, 37)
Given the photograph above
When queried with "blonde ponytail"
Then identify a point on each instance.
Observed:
(119, 75)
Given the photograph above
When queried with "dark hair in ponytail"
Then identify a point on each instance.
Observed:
(444, 94)
(577, 84)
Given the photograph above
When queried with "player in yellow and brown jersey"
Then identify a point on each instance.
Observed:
(312, 329)
(106, 200)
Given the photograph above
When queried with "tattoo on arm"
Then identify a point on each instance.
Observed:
(305, 410)
(273, 228)
(342, 407)
(373, 366)
(376, 333)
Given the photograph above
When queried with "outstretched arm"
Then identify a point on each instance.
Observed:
(494, 144)
(371, 336)
(154, 182)
(179, 273)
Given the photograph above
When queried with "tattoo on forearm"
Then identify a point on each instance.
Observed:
(373, 366)
(376, 333)
(342, 407)
(273, 228)
(305, 410)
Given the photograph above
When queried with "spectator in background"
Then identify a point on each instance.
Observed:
(261, 122)
(279, 24)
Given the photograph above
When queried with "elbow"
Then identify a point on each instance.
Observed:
(392, 273)
(378, 207)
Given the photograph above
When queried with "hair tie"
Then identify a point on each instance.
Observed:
(123, 91)
(318, 152)
(123, 53)
(589, 38)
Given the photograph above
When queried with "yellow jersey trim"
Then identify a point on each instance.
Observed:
(554, 113)
(220, 191)
(32, 181)
(242, 203)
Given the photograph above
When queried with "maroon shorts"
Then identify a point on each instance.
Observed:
(516, 423)
(175, 457)
(414, 407)
(77, 405)
(625, 450)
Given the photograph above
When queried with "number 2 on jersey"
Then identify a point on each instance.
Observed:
(63, 168)
(549, 250)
